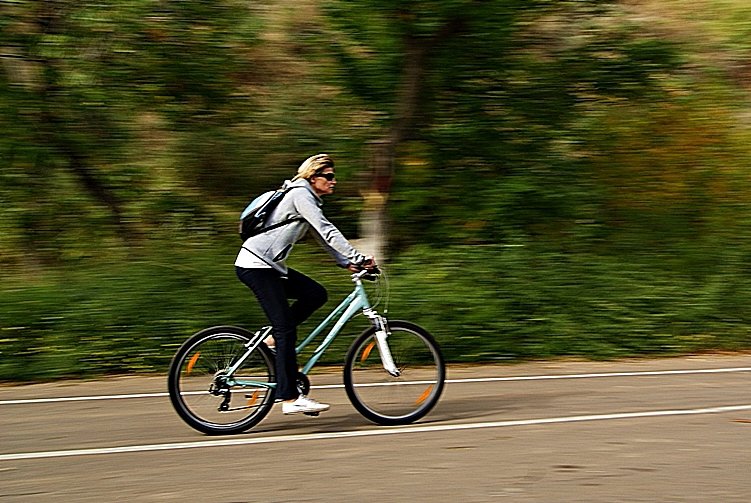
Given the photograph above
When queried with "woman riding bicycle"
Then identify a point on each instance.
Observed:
(261, 265)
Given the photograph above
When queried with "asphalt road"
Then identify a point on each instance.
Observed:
(669, 430)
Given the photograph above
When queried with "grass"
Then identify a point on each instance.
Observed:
(482, 303)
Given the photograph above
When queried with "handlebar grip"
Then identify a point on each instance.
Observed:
(368, 274)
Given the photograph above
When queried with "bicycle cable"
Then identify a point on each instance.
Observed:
(382, 291)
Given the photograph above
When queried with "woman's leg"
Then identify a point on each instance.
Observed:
(309, 295)
(270, 290)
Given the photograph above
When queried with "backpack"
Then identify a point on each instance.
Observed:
(256, 214)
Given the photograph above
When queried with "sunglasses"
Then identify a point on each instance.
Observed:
(327, 176)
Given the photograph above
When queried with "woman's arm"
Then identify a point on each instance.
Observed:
(332, 240)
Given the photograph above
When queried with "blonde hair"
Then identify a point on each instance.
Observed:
(314, 165)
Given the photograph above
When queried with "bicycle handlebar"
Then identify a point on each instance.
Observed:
(368, 274)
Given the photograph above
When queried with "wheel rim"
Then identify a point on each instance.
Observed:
(211, 400)
(396, 399)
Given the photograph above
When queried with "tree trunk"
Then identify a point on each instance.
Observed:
(52, 130)
(375, 193)
(382, 153)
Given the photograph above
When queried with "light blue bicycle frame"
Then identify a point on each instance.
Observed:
(346, 310)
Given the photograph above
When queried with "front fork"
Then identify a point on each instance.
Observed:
(382, 333)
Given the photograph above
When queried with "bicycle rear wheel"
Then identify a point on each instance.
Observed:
(389, 400)
(209, 400)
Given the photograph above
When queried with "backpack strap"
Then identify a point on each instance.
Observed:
(279, 224)
(276, 226)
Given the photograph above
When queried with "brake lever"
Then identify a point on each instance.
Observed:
(368, 274)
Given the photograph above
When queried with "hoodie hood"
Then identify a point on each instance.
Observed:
(302, 182)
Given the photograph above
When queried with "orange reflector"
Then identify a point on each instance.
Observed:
(366, 351)
(252, 399)
(192, 363)
(424, 396)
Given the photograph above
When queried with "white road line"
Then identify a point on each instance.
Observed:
(608, 374)
(367, 433)
(26, 401)
(22, 401)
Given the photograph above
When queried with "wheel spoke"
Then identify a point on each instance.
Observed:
(201, 391)
(386, 399)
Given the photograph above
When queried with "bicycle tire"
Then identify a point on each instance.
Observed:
(389, 400)
(201, 396)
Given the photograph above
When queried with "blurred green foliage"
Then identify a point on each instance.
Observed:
(570, 177)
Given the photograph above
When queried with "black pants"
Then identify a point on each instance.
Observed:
(273, 293)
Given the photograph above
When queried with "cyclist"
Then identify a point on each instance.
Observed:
(261, 266)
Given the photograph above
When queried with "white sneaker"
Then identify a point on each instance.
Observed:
(303, 405)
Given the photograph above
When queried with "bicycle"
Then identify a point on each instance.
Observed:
(222, 379)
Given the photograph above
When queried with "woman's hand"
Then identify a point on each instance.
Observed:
(369, 263)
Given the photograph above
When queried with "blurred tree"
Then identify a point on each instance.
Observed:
(561, 176)
(86, 84)
(55, 111)
(500, 115)
(395, 56)
(475, 99)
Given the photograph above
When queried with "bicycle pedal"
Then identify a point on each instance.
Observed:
(312, 413)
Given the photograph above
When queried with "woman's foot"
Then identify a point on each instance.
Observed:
(303, 405)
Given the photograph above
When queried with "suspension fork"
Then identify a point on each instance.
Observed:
(382, 333)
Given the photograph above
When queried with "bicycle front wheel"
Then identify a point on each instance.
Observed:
(204, 394)
(383, 398)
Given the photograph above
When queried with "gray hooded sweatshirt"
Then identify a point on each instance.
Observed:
(304, 205)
